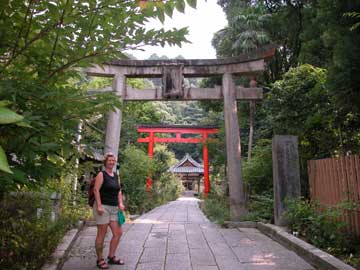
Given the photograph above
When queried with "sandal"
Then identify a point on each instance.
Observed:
(113, 260)
(102, 264)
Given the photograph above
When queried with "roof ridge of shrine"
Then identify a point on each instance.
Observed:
(197, 166)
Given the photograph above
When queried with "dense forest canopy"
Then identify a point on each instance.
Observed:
(319, 33)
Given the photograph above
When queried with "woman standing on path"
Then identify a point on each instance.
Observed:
(108, 201)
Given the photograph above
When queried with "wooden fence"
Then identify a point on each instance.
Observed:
(336, 180)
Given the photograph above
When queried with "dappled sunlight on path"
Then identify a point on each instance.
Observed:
(177, 236)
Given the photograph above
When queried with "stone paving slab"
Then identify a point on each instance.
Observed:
(177, 236)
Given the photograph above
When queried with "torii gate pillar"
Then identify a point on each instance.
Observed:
(113, 125)
(233, 149)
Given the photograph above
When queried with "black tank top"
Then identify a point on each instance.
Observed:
(110, 189)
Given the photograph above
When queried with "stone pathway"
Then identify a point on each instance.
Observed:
(177, 236)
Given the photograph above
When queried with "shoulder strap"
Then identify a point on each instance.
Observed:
(118, 178)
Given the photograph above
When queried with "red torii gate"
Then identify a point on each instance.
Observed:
(204, 131)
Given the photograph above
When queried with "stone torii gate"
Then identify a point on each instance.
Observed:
(173, 73)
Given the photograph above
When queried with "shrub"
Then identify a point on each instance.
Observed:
(261, 207)
(258, 172)
(322, 228)
(167, 188)
(134, 170)
(216, 206)
(136, 167)
(163, 160)
(27, 240)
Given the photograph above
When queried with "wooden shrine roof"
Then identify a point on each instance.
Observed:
(180, 168)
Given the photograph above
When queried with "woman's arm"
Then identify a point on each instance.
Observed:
(120, 197)
(99, 179)
(121, 204)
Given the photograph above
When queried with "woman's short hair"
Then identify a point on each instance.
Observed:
(106, 157)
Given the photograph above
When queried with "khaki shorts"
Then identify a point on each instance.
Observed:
(110, 214)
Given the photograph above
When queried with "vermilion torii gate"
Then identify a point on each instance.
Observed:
(179, 131)
(173, 73)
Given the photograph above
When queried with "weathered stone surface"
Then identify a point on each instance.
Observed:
(153, 244)
(113, 125)
(157, 239)
(75, 262)
(205, 267)
(135, 236)
(234, 238)
(286, 173)
(212, 235)
(150, 266)
(175, 247)
(283, 264)
(233, 149)
(201, 256)
(178, 262)
(222, 250)
(153, 255)
(249, 254)
(176, 227)
(130, 246)
(318, 257)
(229, 264)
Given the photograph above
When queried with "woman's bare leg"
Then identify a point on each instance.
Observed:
(99, 242)
(116, 232)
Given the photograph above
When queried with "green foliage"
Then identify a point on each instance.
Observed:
(43, 47)
(322, 227)
(183, 113)
(216, 206)
(355, 15)
(4, 165)
(136, 167)
(318, 225)
(134, 114)
(261, 207)
(134, 170)
(74, 206)
(166, 188)
(257, 172)
(53, 112)
(7, 117)
(244, 33)
(53, 36)
(27, 240)
(329, 36)
(255, 23)
(300, 104)
(163, 159)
